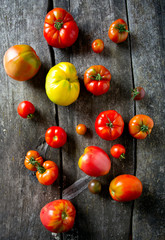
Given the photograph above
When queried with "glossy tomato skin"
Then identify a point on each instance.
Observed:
(21, 62)
(26, 109)
(60, 29)
(97, 79)
(55, 137)
(138, 93)
(109, 125)
(81, 129)
(98, 46)
(94, 186)
(118, 151)
(31, 158)
(48, 173)
(58, 216)
(118, 31)
(95, 162)
(140, 126)
(125, 188)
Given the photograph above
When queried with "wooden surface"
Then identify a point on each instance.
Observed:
(137, 61)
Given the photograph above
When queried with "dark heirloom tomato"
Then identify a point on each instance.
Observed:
(26, 109)
(94, 186)
(118, 31)
(55, 137)
(60, 29)
(138, 93)
(32, 160)
(118, 151)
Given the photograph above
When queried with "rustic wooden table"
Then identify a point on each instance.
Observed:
(139, 61)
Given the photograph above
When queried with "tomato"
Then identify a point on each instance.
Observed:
(94, 186)
(118, 151)
(140, 126)
(60, 29)
(33, 160)
(109, 125)
(26, 109)
(125, 188)
(95, 162)
(98, 46)
(62, 84)
(138, 93)
(55, 137)
(21, 62)
(47, 173)
(118, 31)
(97, 79)
(81, 129)
(58, 216)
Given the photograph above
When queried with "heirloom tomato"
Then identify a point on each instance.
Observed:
(58, 216)
(60, 29)
(21, 62)
(118, 151)
(125, 188)
(98, 46)
(140, 126)
(33, 160)
(138, 93)
(55, 137)
(62, 84)
(95, 162)
(47, 173)
(26, 109)
(118, 31)
(81, 129)
(97, 79)
(109, 125)
(94, 186)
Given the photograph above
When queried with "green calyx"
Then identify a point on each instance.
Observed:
(30, 116)
(109, 124)
(135, 92)
(63, 215)
(121, 28)
(122, 156)
(144, 128)
(58, 24)
(40, 168)
(97, 77)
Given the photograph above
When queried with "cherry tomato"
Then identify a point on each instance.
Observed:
(33, 160)
(26, 109)
(55, 137)
(94, 186)
(98, 46)
(118, 151)
(138, 93)
(81, 129)
(118, 31)
(47, 173)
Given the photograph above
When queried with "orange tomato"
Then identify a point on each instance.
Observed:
(98, 46)
(118, 31)
(81, 129)
(32, 160)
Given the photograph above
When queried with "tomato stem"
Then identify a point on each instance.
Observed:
(122, 156)
(135, 93)
(40, 168)
(58, 24)
(110, 124)
(144, 128)
(97, 77)
(30, 116)
(121, 28)
(63, 215)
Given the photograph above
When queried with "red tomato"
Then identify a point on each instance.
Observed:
(26, 109)
(58, 216)
(97, 79)
(55, 137)
(81, 129)
(118, 31)
(125, 188)
(109, 125)
(118, 151)
(47, 173)
(60, 29)
(95, 162)
(138, 93)
(140, 126)
(98, 46)
(21, 62)
(33, 160)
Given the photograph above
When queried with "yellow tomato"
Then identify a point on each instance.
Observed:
(62, 84)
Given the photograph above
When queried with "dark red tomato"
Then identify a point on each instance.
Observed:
(109, 125)
(55, 137)
(98, 46)
(118, 31)
(94, 186)
(81, 129)
(60, 29)
(118, 151)
(138, 93)
(33, 160)
(26, 109)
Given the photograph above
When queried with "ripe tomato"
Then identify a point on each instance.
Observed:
(118, 31)
(55, 137)
(94, 186)
(138, 93)
(98, 46)
(58, 216)
(109, 125)
(60, 29)
(47, 173)
(81, 129)
(21, 62)
(26, 109)
(97, 79)
(33, 160)
(125, 188)
(118, 151)
(140, 126)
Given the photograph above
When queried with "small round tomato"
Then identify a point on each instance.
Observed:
(138, 93)
(33, 160)
(47, 173)
(55, 137)
(118, 151)
(81, 129)
(98, 46)
(118, 31)
(94, 186)
(26, 109)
